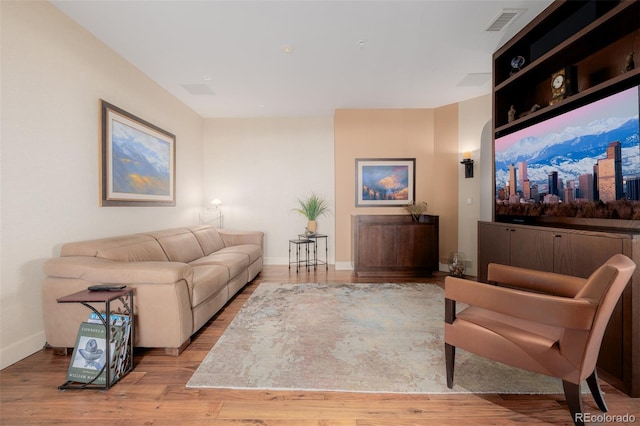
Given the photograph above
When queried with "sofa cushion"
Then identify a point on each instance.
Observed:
(253, 252)
(127, 248)
(234, 262)
(208, 237)
(179, 244)
(207, 281)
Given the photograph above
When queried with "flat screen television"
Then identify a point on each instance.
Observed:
(582, 166)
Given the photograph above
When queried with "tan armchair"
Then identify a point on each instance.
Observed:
(543, 322)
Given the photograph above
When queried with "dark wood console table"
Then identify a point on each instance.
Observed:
(394, 245)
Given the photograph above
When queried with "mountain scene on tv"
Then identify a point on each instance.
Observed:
(584, 163)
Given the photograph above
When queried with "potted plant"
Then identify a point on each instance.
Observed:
(416, 209)
(312, 207)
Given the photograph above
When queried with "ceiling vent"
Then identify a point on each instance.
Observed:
(504, 18)
(198, 89)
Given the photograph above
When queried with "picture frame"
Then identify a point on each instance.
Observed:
(138, 161)
(385, 182)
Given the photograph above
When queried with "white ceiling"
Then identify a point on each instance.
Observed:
(344, 54)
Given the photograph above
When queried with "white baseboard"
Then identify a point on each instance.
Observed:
(339, 266)
(284, 261)
(22, 349)
(344, 266)
(276, 261)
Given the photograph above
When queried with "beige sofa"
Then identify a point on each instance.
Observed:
(181, 277)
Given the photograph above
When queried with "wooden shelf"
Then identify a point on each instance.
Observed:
(598, 34)
(615, 84)
(597, 49)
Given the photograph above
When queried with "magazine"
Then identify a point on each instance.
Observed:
(90, 356)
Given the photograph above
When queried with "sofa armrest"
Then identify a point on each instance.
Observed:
(236, 238)
(96, 270)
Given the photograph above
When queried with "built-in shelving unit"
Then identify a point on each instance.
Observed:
(593, 39)
(593, 36)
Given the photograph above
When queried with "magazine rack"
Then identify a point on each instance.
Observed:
(87, 298)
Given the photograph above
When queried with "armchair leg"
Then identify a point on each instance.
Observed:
(594, 387)
(450, 357)
(574, 400)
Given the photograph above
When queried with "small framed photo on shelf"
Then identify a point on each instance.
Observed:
(385, 182)
(138, 161)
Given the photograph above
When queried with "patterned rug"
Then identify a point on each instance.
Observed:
(382, 338)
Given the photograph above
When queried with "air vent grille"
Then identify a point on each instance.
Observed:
(504, 18)
(198, 89)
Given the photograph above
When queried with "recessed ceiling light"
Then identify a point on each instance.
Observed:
(361, 43)
(287, 48)
(207, 78)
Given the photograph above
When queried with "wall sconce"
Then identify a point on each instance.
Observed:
(468, 164)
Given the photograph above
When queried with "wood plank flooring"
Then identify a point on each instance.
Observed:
(154, 392)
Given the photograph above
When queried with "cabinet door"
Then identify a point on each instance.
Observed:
(513, 245)
(376, 246)
(428, 240)
(493, 246)
(579, 255)
(416, 246)
(406, 246)
(531, 248)
(368, 251)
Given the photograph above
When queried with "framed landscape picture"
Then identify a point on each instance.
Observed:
(385, 182)
(138, 161)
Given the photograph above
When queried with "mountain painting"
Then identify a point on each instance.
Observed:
(141, 162)
(385, 182)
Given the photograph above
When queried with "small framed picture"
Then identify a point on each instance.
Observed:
(138, 161)
(385, 182)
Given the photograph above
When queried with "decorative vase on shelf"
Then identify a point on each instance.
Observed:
(312, 226)
(456, 264)
(416, 209)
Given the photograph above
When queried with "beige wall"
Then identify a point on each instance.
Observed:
(53, 75)
(259, 167)
(428, 135)
(474, 129)
(445, 177)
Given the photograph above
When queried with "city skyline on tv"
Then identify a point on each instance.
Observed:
(560, 158)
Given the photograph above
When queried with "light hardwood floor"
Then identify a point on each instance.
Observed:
(154, 392)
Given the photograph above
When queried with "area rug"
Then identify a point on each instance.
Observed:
(382, 338)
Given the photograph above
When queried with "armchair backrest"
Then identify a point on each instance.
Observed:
(604, 288)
